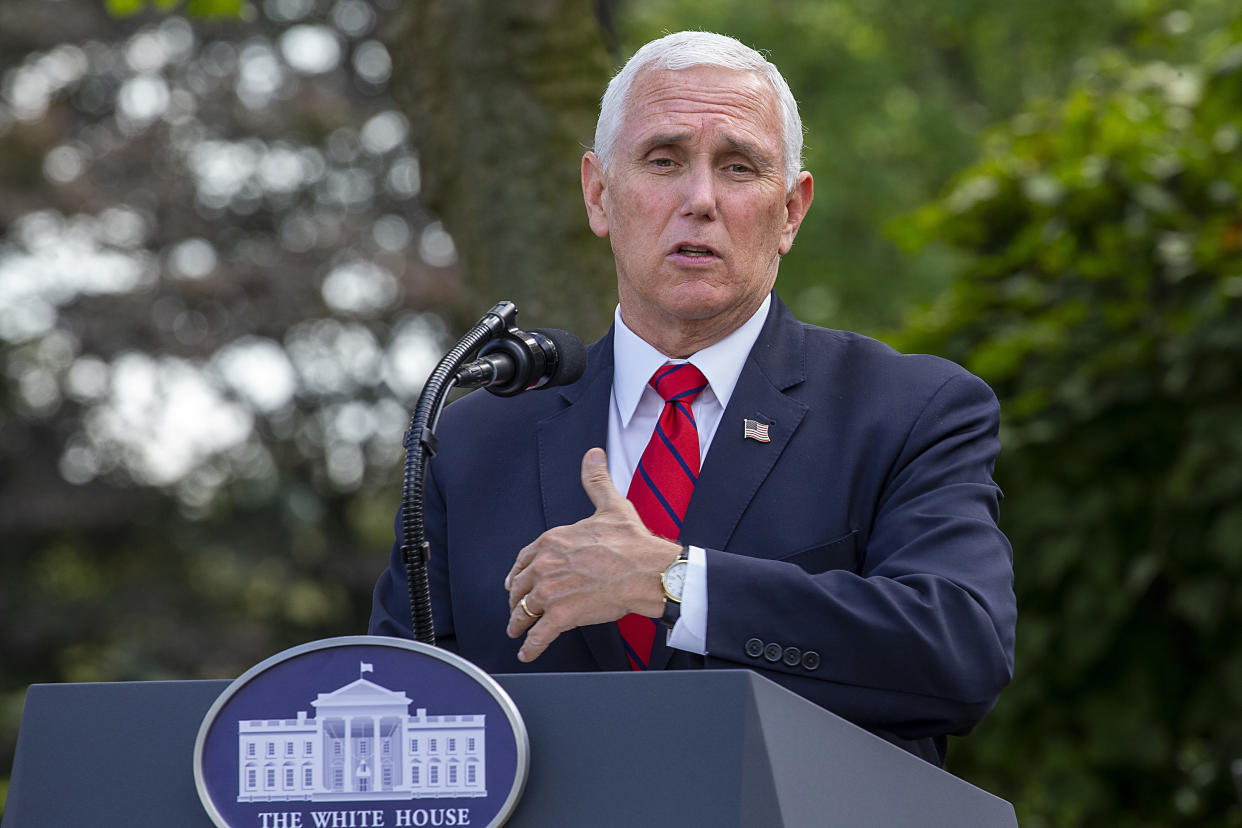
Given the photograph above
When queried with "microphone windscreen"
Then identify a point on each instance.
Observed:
(571, 356)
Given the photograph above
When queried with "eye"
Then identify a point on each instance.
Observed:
(738, 168)
(662, 162)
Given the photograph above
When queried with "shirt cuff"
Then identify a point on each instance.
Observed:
(690, 631)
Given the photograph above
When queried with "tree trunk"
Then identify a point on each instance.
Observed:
(502, 99)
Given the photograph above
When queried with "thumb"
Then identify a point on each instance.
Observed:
(597, 482)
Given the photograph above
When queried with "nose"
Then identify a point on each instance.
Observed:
(700, 194)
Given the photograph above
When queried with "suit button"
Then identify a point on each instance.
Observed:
(754, 648)
(810, 660)
(772, 652)
(792, 656)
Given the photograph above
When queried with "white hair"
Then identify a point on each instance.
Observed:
(683, 50)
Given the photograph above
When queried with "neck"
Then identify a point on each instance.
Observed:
(679, 338)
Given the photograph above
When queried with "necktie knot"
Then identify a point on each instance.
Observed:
(678, 383)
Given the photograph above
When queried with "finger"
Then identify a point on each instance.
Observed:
(520, 586)
(519, 621)
(540, 636)
(597, 482)
(523, 559)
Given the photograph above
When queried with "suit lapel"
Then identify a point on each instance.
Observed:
(735, 467)
(563, 438)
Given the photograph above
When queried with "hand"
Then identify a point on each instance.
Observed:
(591, 572)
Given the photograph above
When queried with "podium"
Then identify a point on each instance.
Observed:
(677, 748)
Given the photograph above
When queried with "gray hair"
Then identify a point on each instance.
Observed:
(683, 50)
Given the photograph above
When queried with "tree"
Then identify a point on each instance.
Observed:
(217, 301)
(502, 99)
(1101, 297)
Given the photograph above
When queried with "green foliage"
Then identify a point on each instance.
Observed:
(1101, 296)
(204, 9)
(191, 558)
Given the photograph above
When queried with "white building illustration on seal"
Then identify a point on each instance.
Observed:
(362, 744)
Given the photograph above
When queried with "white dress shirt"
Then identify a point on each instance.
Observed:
(632, 419)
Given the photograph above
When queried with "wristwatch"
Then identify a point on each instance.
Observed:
(673, 579)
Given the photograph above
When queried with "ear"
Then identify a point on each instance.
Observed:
(796, 205)
(593, 187)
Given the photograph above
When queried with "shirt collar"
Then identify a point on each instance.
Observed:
(635, 360)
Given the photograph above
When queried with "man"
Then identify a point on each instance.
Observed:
(834, 497)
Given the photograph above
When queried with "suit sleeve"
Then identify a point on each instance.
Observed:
(919, 640)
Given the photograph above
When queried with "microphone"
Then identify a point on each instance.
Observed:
(520, 361)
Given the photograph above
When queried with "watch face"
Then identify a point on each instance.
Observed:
(675, 580)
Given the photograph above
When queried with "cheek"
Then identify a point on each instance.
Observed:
(637, 232)
(766, 229)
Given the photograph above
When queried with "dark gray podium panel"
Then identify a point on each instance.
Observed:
(719, 748)
(117, 754)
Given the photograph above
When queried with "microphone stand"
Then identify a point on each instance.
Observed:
(421, 445)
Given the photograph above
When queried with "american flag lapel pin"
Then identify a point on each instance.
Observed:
(755, 430)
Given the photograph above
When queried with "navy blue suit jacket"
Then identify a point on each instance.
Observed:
(862, 541)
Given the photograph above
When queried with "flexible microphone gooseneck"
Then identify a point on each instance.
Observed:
(509, 362)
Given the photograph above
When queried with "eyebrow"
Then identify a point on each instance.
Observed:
(663, 139)
(750, 150)
(746, 148)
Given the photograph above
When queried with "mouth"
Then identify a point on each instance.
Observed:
(695, 251)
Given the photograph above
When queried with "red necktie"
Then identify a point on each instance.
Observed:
(664, 482)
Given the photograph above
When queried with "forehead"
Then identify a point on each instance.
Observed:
(698, 98)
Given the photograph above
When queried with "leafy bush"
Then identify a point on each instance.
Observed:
(1101, 295)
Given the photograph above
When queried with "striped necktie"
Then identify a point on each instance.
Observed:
(664, 482)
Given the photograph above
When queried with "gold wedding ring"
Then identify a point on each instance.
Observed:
(526, 609)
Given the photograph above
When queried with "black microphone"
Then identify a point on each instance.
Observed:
(523, 361)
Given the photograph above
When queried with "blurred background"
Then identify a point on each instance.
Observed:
(235, 236)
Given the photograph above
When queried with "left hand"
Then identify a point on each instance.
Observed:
(594, 571)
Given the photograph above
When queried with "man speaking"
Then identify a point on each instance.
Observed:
(803, 502)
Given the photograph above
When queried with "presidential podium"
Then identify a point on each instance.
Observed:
(677, 748)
